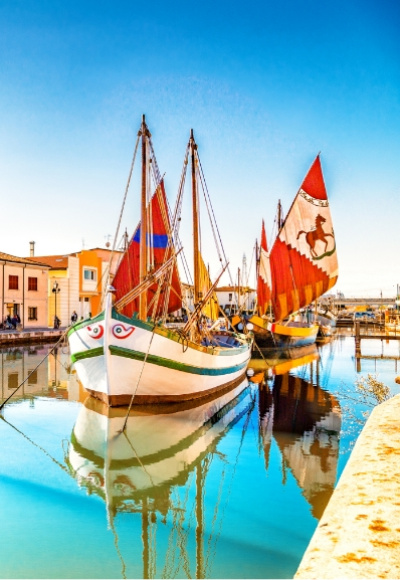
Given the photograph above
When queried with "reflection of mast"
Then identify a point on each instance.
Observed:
(200, 523)
(145, 537)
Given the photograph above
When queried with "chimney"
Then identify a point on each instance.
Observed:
(32, 250)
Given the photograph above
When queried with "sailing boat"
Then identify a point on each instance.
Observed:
(127, 354)
(303, 264)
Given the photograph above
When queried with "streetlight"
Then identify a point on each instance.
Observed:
(56, 290)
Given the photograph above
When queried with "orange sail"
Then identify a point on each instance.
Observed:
(264, 276)
(159, 251)
(303, 258)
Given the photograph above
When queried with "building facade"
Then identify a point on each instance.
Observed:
(62, 290)
(23, 290)
(232, 298)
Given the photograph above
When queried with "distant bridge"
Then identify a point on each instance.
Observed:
(345, 302)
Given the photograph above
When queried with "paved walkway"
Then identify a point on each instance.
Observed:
(30, 335)
(359, 534)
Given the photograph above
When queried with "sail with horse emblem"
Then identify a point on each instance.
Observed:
(303, 262)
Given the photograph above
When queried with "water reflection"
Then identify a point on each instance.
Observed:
(135, 470)
(35, 375)
(184, 488)
(305, 421)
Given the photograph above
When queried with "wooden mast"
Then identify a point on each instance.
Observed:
(143, 223)
(195, 203)
(280, 216)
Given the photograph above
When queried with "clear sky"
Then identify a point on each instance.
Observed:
(265, 85)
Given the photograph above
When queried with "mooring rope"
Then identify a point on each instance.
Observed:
(138, 382)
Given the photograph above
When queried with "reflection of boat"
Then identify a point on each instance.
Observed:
(280, 362)
(158, 448)
(303, 264)
(305, 422)
(122, 353)
(152, 467)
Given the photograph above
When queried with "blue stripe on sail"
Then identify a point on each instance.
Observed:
(156, 240)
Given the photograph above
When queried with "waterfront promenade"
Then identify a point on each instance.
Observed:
(358, 535)
(28, 336)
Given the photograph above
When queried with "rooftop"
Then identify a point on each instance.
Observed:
(16, 259)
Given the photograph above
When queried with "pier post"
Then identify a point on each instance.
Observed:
(357, 341)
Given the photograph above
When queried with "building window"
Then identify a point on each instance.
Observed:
(230, 298)
(90, 274)
(32, 380)
(13, 282)
(12, 380)
(32, 313)
(32, 283)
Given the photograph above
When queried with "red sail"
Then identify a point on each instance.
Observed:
(303, 258)
(264, 276)
(127, 275)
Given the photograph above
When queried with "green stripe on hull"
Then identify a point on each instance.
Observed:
(87, 354)
(168, 363)
(157, 360)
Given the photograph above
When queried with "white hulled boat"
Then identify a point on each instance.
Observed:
(127, 353)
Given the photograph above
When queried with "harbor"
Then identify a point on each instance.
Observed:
(199, 290)
(177, 507)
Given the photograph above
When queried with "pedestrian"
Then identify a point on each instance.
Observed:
(74, 317)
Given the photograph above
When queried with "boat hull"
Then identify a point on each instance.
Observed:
(121, 360)
(289, 336)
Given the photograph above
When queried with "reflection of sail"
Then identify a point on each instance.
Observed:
(306, 425)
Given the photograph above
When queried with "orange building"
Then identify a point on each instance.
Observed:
(94, 266)
(76, 282)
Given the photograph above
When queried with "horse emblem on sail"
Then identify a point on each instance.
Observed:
(318, 234)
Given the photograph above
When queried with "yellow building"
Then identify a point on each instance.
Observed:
(63, 287)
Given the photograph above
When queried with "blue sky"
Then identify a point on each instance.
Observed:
(265, 85)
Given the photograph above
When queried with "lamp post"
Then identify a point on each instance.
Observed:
(56, 290)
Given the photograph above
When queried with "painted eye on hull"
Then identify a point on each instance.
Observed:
(95, 332)
(121, 331)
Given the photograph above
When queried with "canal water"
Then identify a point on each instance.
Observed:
(232, 487)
